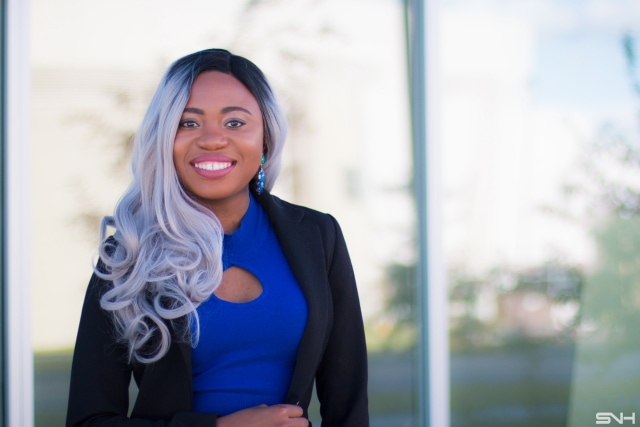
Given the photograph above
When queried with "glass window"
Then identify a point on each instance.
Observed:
(340, 70)
(540, 151)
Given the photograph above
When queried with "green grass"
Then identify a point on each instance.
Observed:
(51, 387)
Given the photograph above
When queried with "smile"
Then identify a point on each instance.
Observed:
(213, 166)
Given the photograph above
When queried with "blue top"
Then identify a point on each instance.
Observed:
(246, 352)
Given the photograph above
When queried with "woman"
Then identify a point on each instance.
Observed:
(224, 302)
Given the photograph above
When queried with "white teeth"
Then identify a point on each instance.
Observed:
(213, 166)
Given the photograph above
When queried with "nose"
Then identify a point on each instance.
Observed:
(212, 137)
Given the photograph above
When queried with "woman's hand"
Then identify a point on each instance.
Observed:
(265, 416)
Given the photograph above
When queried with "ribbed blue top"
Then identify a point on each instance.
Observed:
(246, 352)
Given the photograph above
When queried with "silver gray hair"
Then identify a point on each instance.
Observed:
(165, 257)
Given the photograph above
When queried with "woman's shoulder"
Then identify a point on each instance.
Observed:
(279, 209)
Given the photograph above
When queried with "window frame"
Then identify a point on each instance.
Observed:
(433, 340)
(16, 267)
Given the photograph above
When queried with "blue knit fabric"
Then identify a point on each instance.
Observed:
(246, 353)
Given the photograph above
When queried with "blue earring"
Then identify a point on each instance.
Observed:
(260, 178)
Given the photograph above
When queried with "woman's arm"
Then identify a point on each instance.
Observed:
(100, 375)
(342, 374)
(266, 416)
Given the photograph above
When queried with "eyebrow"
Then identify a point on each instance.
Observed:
(234, 108)
(225, 110)
(194, 110)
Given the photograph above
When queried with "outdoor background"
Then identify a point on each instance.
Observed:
(341, 75)
(537, 110)
(541, 196)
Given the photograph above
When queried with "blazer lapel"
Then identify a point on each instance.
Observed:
(301, 240)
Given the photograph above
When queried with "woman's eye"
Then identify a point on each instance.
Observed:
(234, 124)
(188, 124)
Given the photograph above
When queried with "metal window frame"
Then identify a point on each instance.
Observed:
(433, 351)
(16, 235)
(3, 365)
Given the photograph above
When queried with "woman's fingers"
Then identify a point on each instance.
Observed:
(293, 411)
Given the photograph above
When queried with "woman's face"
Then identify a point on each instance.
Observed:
(219, 143)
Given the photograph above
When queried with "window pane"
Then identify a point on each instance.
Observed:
(342, 78)
(541, 200)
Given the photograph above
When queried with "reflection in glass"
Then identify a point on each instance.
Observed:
(541, 156)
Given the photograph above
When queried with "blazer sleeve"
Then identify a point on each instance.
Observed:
(100, 375)
(341, 379)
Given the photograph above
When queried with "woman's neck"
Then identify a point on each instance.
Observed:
(230, 211)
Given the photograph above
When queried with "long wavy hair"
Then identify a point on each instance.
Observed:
(165, 256)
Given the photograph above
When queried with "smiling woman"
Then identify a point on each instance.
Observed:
(224, 303)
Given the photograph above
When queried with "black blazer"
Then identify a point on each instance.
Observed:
(332, 350)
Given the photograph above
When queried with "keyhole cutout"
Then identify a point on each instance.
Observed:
(238, 285)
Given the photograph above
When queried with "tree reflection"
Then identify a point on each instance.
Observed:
(553, 344)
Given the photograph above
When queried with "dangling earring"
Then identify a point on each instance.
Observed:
(260, 178)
